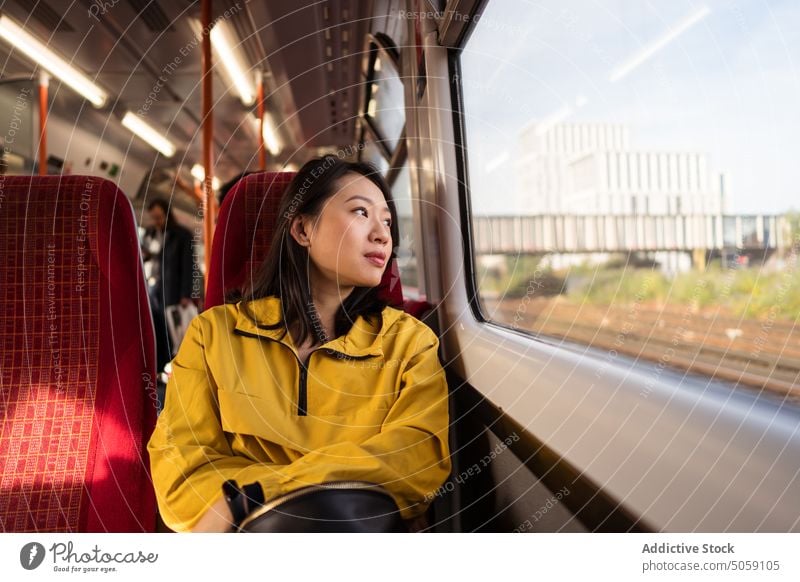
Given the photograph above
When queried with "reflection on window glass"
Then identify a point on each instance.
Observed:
(437, 6)
(373, 154)
(386, 106)
(632, 180)
(406, 255)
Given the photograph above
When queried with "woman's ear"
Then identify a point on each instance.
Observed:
(300, 229)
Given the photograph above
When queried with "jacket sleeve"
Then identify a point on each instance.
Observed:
(190, 457)
(410, 456)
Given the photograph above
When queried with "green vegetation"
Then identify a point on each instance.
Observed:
(750, 292)
(747, 292)
(520, 275)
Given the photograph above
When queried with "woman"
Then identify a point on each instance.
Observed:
(311, 377)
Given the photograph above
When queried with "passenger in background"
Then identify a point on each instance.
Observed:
(169, 248)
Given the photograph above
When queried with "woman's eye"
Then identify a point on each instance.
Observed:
(388, 221)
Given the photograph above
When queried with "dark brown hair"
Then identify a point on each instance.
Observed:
(284, 271)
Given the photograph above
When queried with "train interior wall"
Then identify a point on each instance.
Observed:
(491, 489)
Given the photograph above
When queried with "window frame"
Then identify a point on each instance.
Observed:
(380, 45)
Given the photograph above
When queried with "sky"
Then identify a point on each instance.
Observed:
(720, 77)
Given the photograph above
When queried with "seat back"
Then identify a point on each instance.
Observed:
(77, 359)
(244, 230)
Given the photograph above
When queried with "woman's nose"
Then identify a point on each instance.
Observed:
(380, 233)
(380, 236)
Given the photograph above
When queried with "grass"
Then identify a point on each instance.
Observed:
(743, 292)
(752, 293)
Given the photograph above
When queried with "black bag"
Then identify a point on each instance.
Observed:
(344, 507)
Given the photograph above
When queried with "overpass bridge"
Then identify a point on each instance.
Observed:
(693, 234)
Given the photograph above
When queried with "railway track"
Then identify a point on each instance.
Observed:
(753, 353)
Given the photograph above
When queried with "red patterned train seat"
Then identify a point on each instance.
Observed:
(77, 359)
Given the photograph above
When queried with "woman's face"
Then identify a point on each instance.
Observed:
(353, 224)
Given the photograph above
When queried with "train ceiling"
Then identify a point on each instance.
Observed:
(310, 52)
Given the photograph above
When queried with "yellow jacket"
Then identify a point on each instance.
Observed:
(371, 406)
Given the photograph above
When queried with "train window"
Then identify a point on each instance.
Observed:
(631, 181)
(372, 152)
(386, 104)
(406, 255)
(382, 116)
(382, 125)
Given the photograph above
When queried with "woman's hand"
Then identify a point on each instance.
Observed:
(218, 519)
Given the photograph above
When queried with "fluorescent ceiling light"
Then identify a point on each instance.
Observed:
(652, 48)
(221, 43)
(199, 174)
(269, 133)
(148, 134)
(48, 60)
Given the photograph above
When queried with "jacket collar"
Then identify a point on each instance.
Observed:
(363, 339)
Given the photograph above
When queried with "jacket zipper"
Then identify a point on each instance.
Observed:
(302, 392)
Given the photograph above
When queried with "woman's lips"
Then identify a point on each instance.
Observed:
(377, 261)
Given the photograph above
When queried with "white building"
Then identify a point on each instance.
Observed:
(590, 168)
